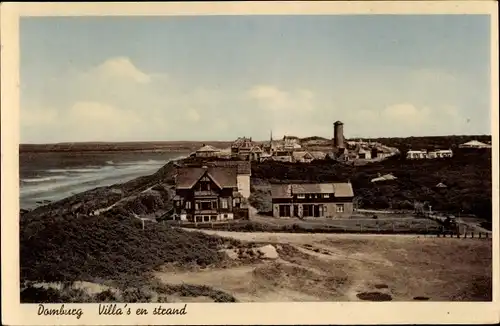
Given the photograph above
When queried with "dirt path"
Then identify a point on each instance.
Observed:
(351, 267)
(296, 237)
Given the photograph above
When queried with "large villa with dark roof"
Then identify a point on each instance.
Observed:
(206, 194)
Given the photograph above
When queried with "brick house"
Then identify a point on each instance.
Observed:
(206, 194)
(312, 200)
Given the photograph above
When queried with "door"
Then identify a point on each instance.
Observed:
(316, 210)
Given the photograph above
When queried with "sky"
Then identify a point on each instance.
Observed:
(221, 77)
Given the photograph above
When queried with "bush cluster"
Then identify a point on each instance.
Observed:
(69, 248)
(467, 175)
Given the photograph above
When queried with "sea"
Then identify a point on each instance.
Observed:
(51, 176)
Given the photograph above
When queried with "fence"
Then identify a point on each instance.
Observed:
(465, 235)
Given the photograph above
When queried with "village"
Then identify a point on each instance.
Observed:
(214, 188)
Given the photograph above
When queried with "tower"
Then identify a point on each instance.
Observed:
(338, 135)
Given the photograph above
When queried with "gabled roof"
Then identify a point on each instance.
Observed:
(256, 149)
(288, 190)
(318, 155)
(301, 154)
(384, 149)
(474, 143)
(243, 142)
(223, 177)
(207, 148)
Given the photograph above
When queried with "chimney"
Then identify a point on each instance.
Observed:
(338, 135)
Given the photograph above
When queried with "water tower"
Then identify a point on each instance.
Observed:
(338, 135)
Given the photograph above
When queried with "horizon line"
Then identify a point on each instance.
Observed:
(225, 141)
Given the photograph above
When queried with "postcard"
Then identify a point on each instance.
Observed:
(245, 163)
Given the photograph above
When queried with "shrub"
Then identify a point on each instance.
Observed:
(467, 175)
(68, 248)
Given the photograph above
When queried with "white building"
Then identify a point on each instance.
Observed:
(416, 155)
(441, 153)
(419, 155)
(474, 144)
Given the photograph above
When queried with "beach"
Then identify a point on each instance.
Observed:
(51, 176)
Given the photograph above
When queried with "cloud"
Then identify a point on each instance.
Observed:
(117, 100)
(119, 68)
(405, 119)
(272, 98)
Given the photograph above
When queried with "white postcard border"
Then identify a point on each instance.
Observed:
(14, 313)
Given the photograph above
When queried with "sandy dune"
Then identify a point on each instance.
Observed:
(343, 267)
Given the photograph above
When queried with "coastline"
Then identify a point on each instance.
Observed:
(98, 182)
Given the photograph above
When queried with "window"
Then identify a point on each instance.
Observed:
(206, 205)
(204, 186)
(223, 202)
(326, 196)
(340, 208)
(301, 196)
(188, 205)
(196, 206)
